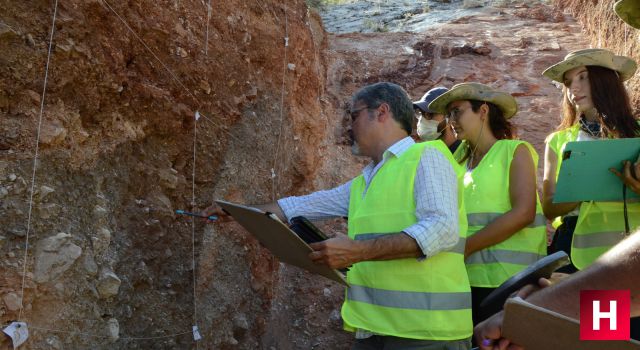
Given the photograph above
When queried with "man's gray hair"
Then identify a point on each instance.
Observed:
(398, 100)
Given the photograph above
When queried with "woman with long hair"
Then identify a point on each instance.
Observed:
(506, 227)
(595, 106)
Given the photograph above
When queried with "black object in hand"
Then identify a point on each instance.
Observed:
(542, 268)
(306, 230)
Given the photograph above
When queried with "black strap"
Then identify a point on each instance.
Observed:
(626, 215)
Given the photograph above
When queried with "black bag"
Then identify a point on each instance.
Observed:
(562, 241)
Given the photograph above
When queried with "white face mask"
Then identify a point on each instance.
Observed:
(428, 129)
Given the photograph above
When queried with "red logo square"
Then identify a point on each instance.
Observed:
(605, 314)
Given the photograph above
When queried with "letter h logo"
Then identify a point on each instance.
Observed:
(605, 314)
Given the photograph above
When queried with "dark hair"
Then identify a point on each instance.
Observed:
(398, 100)
(500, 126)
(610, 99)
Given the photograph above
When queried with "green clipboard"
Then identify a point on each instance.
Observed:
(584, 173)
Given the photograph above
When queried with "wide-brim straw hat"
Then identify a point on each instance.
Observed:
(625, 66)
(478, 92)
(629, 11)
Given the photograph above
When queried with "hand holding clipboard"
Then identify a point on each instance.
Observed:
(630, 174)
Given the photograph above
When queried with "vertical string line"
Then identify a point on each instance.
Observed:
(35, 159)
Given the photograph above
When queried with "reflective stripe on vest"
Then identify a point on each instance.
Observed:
(410, 298)
(487, 256)
(457, 248)
(484, 219)
(599, 239)
(487, 198)
(600, 225)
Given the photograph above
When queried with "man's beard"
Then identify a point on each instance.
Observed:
(355, 149)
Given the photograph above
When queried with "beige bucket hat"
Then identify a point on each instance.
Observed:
(629, 11)
(625, 66)
(478, 92)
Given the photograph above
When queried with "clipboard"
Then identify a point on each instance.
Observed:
(534, 327)
(279, 239)
(584, 173)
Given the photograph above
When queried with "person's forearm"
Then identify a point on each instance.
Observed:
(498, 230)
(389, 247)
(618, 269)
(553, 210)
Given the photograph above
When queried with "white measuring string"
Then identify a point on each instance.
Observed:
(193, 227)
(284, 76)
(35, 159)
(105, 336)
(151, 51)
(206, 41)
(179, 82)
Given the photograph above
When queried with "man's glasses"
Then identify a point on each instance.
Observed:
(354, 114)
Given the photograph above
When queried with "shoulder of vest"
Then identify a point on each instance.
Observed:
(560, 136)
(444, 150)
(437, 144)
(419, 147)
(513, 144)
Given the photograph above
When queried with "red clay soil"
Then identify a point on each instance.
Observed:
(117, 151)
(116, 155)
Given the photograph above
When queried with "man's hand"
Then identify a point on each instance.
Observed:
(627, 175)
(489, 334)
(337, 253)
(215, 209)
(529, 289)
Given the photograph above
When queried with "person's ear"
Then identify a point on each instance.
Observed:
(484, 111)
(384, 112)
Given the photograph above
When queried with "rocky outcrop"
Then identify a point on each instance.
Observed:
(116, 158)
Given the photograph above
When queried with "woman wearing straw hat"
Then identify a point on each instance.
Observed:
(595, 106)
(506, 226)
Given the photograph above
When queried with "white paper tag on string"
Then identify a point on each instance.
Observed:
(18, 332)
(196, 333)
(197, 115)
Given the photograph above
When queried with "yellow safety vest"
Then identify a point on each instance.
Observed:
(600, 225)
(408, 298)
(486, 197)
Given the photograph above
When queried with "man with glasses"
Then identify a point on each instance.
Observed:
(408, 287)
(431, 124)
